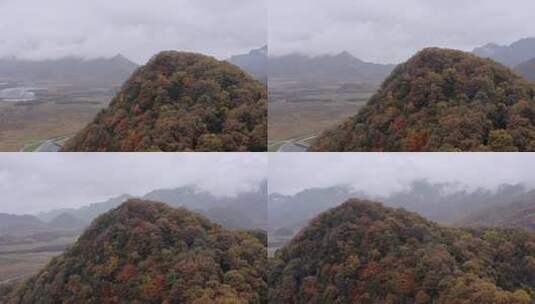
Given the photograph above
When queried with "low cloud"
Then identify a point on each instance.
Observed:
(137, 29)
(390, 31)
(31, 183)
(384, 173)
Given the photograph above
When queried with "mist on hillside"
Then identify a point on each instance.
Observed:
(447, 203)
(452, 189)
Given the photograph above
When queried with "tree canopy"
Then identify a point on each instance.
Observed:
(147, 252)
(181, 102)
(362, 252)
(442, 100)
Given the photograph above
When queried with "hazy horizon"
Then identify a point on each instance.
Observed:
(138, 29)
(391, 31)
(385, 173)
(34, 183)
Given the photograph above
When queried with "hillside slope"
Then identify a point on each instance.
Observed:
(181, 102)
(510, 55)
(518, 214)
(255, 63)
(147, 252)
(362, 252)
(527, 69)
(442, 100)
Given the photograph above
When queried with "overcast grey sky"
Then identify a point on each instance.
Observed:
(390, 31)
(30, 183)
(382, 173)
(135, 28)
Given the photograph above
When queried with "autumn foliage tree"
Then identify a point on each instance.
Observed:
(181, 102)
(146, 252)
(362, 252)
(442, 100)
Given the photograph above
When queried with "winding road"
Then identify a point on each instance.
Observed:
(292, 147)
(48, 146)
(296, 145)
(10, 280)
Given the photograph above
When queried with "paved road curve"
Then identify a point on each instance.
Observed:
(10, 280)
(48, 146)
(296, 145)
(292, 147)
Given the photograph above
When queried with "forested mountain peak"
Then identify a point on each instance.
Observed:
(181, 101)
(147, 252)
(442, 100)
(363, 252)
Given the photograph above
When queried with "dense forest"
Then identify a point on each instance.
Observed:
(181, 102)
(147, 252)
(363, 252)
(442, 100)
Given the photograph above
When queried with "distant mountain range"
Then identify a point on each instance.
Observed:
(510, 55)
(341, 67)
(24, 229)
(293, 210)
(442, 202)
(23, 223)
(255, 63)
(246, 210)
(520, 55)
(527, 69)
(520, 213)
(114, 70)
(344, 67)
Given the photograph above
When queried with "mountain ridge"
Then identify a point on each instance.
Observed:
(341, 67)
(255, 63)
(145, 251)
(363, 252)
(251, 205)
(110, 70)
(181, 101)
(442, 100)
(510, 55)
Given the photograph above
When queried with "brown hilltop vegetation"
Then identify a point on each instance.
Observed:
(181, 102)
(362, 252)
(147, 252)
(442, 100)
